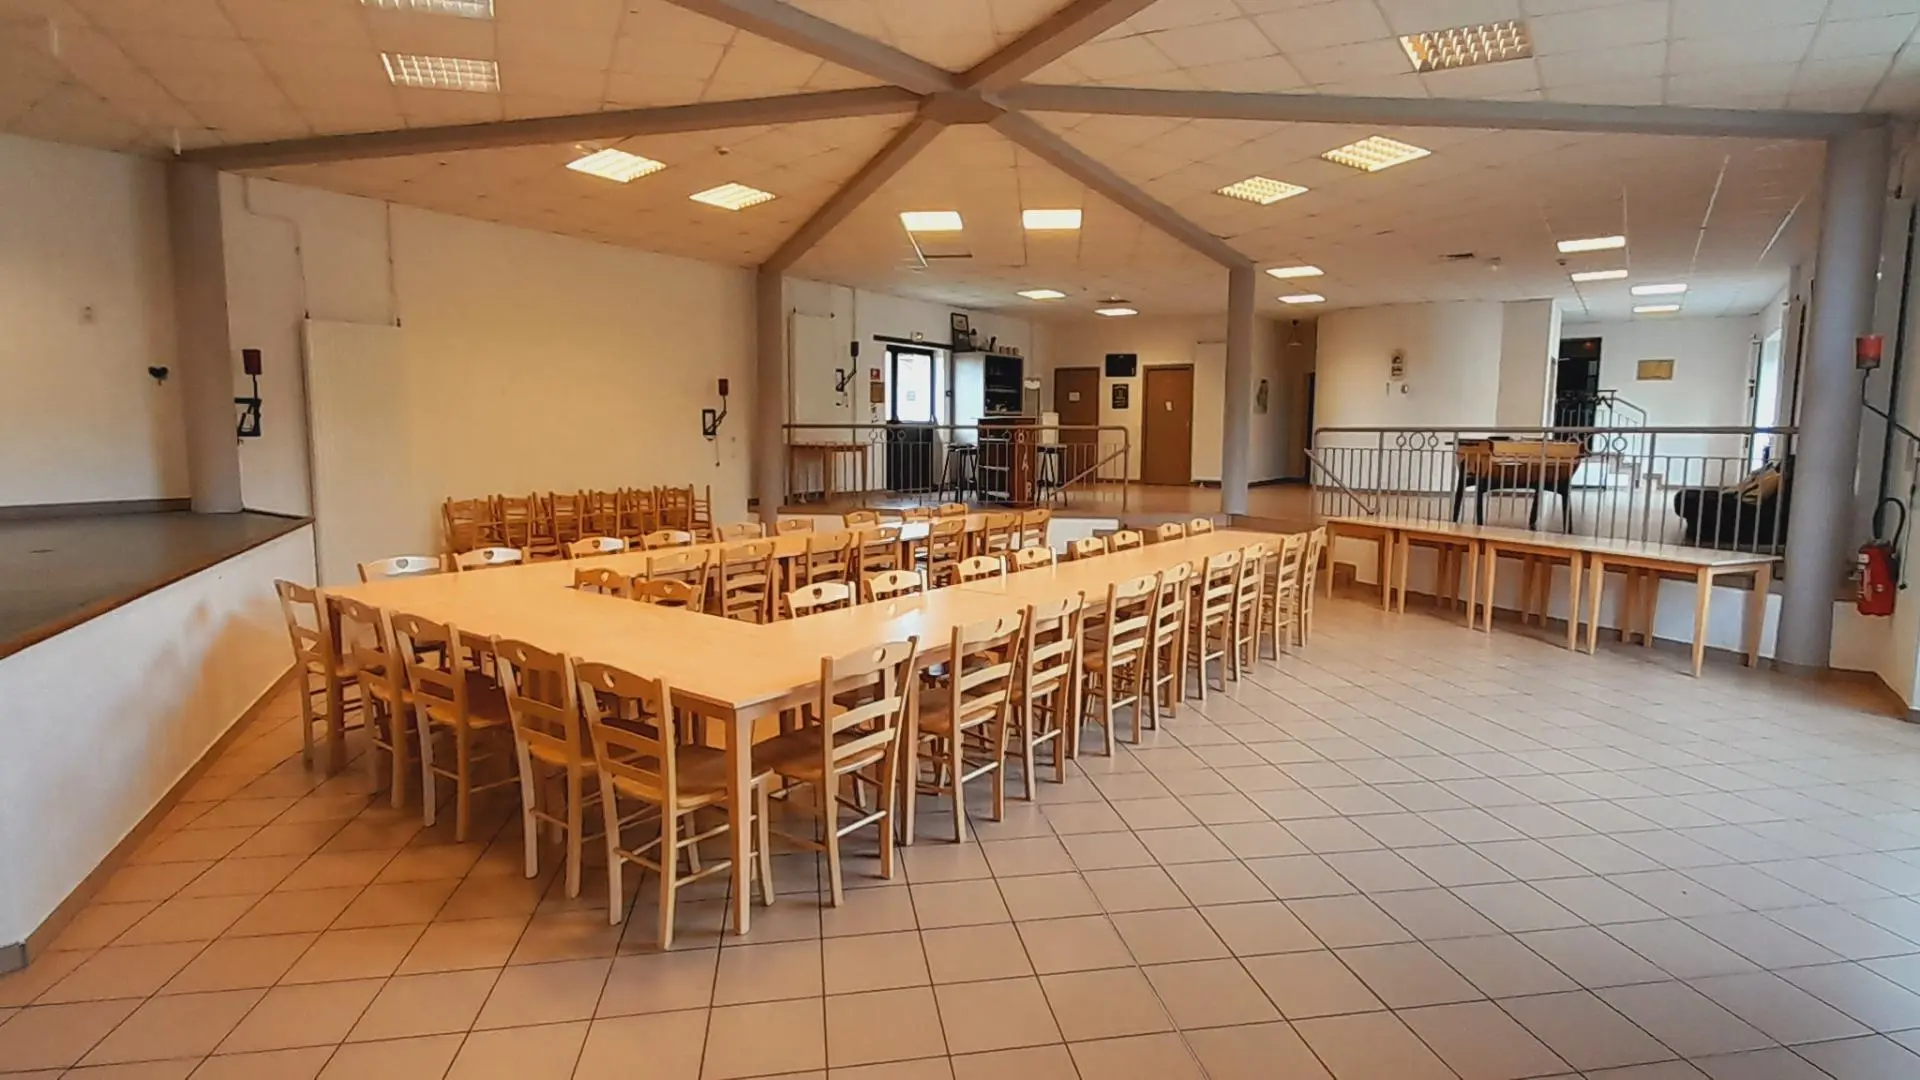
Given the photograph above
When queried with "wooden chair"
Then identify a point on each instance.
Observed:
(481, 558)
(604, 580)
(401, 566)
(1000, 535)
(568, 512)
(1088, 547)
(666, 538)
(1033, 558)
(1167, 530)
(888, 584)
(789, 526)
(700, 512)
(466, 524)
(744, 577)
(964, 722)
(673, 508)
(386, 705)
(981, 567)
(515, 516)
(554, 759)
(820, 596)
(876, 548)
(600, 513)
(917, 513)
(1167, 644)
(1033, 527)
(689, 565)
(643, 759)
(455, 699)
(830, 557)
(1199, 526)
(1210, 630)
(546, 541)
(950, 510)
(637, 516)
(1115, 660)
(1310, 575)
(1124, 540)
(313, 658)
(1280, 596)
(595, 545)
(1246, 609)
(946, 546)
(667, 592)
(859, 519)
(852, 743)
(741, 530)
(1047, 691)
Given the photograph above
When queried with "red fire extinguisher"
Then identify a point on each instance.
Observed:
(1880, 566)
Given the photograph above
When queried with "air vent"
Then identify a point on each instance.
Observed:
(1459, 256)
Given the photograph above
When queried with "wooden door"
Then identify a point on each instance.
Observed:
(1076, 397)
(1166, 426)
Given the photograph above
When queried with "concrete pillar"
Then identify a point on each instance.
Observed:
(769, 392)
(1819, 524)
(203, 351)
(1236, 432)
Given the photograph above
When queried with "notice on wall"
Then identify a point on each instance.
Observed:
(1120, 396)
(1653, 370)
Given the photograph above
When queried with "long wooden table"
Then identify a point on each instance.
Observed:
(737, 673)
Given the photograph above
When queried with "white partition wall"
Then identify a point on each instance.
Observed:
(367, 503)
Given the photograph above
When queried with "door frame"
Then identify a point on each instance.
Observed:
(1146, 372)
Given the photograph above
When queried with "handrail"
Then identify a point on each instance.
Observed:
(1494, 429)
(1342, 484)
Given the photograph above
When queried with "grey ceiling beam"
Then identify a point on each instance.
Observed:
(1435, 112)
(1054, 37)
(547, 130)
(905, 145)
(1057, 152)
(778, 21)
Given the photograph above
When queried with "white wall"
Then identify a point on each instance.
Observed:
(1529, 341)
(1452, 365)
(116, 710)
(85, 308)
(1712, 363)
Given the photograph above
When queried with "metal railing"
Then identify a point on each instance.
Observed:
(1725, 488)
(1004, 463)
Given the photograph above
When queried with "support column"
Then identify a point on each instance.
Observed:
(203, 351)
(1819, 529)
(769, 392)
(1236, 431)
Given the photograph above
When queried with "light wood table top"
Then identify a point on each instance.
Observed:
(1601, 546)
(1092, 576)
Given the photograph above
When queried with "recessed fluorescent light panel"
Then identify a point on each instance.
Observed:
(616, 165)
(1286, 272)
(1039, 220)
(1598, 275)
(1656, 309)
(931, 220)
(1591, 243)
(1376, 153)
(1115, 312)
(1468, 46)
(466, 9)
(1674, 289)
(1304, 298)
(1259, 189)
(1042, 294)
(442, 72)
(732, 196)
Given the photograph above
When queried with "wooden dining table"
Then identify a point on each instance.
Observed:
(737, 674)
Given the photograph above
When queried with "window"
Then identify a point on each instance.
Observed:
(912, 383)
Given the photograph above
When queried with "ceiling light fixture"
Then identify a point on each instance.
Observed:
(442, 72)
(1042, 294)
(466, 9)
(1304, 298)
(732, 196)
(1656, 309)
(1285, 272)
(1039, 220)
(1115, 312)
(1674, 289)
(1591, 243)
(616, 165)
(1259, 189)
(1467, 46)
(1585, 276)
(1376, 153)
(931, 220)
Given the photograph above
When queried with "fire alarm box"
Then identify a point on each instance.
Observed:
(1867, 350)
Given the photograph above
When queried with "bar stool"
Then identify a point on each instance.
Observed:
(1047, 470)
(962, 473)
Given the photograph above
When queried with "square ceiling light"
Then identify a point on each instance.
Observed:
(1115, 312)
(442, 72)
(1468, 46)
(1656, 309)
(466, 9)
(1376, 153)
(1304, 298)
(1286, 272)
(931, 220)
(616, 165)
(1585, 276)
(1591, 243)
(1259, 189)
(732, 196)
(1674, 289)
(1049, 220)
(1043, 294)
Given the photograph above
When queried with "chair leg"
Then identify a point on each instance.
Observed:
(463, 781)
(669, 855)
(999, 759)
(1030, 713)
(574, 798)
(429, 787)
(763, 822)
(611, 812)
(529, 799)
(956, 760)
(830, 833)
(889, 799)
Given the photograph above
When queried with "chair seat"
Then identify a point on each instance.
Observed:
(701, 776)
(937, 720)
(486, 704)
(799, 755)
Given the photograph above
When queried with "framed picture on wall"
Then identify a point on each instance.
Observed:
(962, 329)
(1120, 396)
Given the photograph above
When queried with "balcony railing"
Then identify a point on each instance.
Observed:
(1004, 463)
(1717, 487)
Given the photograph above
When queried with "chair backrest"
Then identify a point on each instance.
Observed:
(1001, 532)
(829, 556)
(306, 625)
(515, 516)
(1050, 647)
(917, 513)
(787, 526)
(1219, 580)
(1032, 558)
(1168, 530)
(745, 574)
(863, 700)
(820, 596)
(1087, 547)
(1171, 597)
(1128, 615)
(566, 514)
(542, 700)
(595, 545)
(1033, 527)
(466, 523)
(401, 566)
(666, 538)
(630, 723)
(888, 584)
(602, 510)
(859, 519)
(741, 530)
(981, 566)
(946, 546)
(1124, 540)
(954, 509)
(1284, 577)
(1310, 564)
(700, 513)
(1199, 526)
(876, 548)
(481, 558)
(602, 579)
(667, 592)
(637, 513)
(689, 565)
(1253, 564)
(980, 667)
(435, 663)
(366, 635)
(673, 507)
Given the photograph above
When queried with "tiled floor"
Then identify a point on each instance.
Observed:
(1410, 852)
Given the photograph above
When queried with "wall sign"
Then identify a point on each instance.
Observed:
(1120, 396)
(1122, 365)
(1653, 370)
